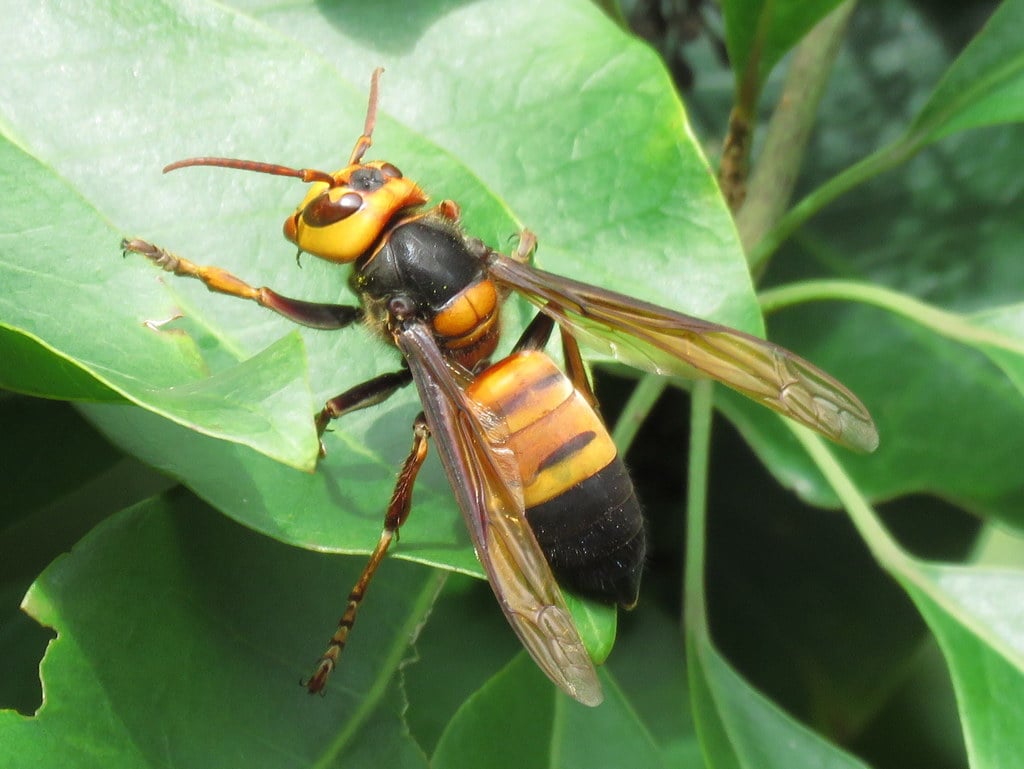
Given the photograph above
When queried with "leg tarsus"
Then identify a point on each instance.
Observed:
(526, 247)
(397, 513)
(313, 314)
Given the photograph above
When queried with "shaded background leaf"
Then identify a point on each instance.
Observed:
(940, 229)
(744, 729)
(548, 727)
(985, 85)
(760, 32)
(162, 610)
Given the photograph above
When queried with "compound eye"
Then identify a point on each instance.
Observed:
(390, 171)
(322, 210)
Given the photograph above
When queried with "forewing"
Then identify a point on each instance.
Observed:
(665, 342)
(485, 479)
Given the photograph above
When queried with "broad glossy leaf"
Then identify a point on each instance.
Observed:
(984, 86)
(974, 612)
(339, 508)
(72, 330)
(743, 729)
(541, 134)
(597, 623)
(176, 644)
(465, 625)
(576, 128)
(649, 668)
(798, 605)
(518, 704)
(736, 724)
(1005, 345)
(59, 479)
(950, 350)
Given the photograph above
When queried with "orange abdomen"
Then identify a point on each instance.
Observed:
(578, 496)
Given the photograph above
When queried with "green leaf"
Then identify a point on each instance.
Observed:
(985, 85)
(558, 137)
(649, 668)
(70, 329)
(735, 724)
(160, 611)
(944, 232)
(981, 479)
(52, 497)
(742, 728)
(543, 728)
(338, 508)
(801, 609)
(241, 78)
(975, 615)
(997, 332)
(1005, 344)
(596, 623)
(758, 33)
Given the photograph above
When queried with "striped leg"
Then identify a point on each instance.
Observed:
(398, 511)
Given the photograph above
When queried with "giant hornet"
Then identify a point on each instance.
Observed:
(542, 489)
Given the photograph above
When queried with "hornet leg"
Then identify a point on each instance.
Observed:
(313, 314)
(398, 511)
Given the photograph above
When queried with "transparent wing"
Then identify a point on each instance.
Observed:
(655, 339)
(485, 479)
